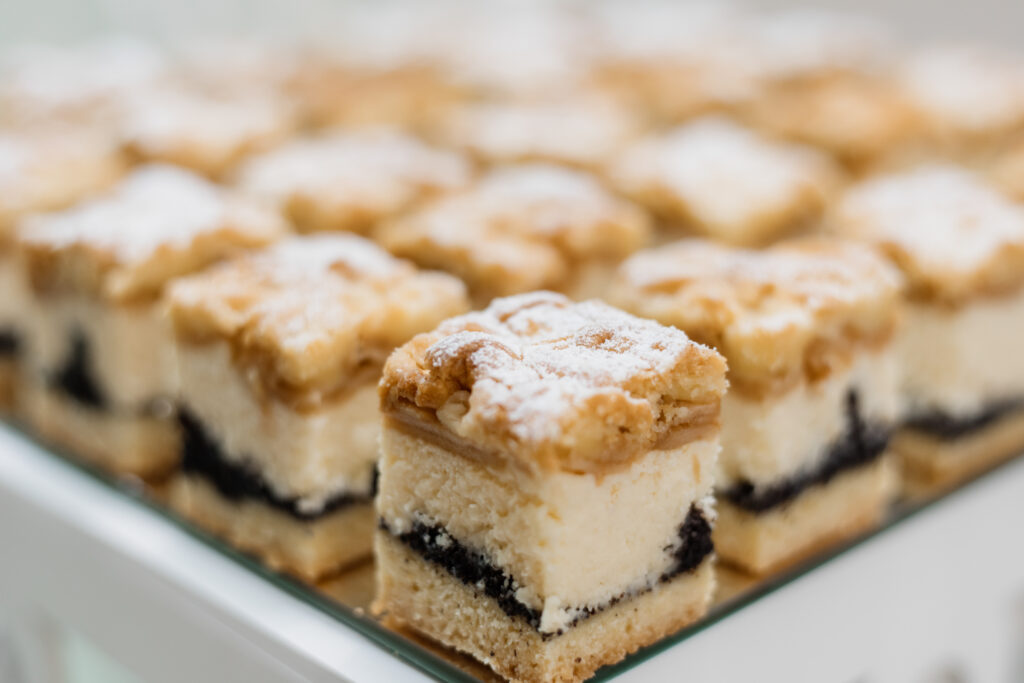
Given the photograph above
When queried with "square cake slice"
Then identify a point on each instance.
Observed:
(960, 245)
(99, 363)
(545, 477)
(722, 180)
(824, 82)
(351, 180)
(807, 329)
(206, 133)
(41, 169)
(279, 355)
(582, 133)
(969, 98)
(521, 228)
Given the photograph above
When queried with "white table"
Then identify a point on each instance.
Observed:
(939, 593)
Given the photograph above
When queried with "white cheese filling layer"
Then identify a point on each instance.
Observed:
(958, 362)
(774, 438)
(131, 350)
(569, 540)
(311, 456)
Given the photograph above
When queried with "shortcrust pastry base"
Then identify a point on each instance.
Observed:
(930, 464)
(820, 517)
(146, 447)
(414, 592)
(8, 385)
(311, 549)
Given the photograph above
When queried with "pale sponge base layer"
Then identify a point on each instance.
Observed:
(8, 386)
(414, 592)
(930, 463)
(818, 518)
(146, 447)
(311, 549)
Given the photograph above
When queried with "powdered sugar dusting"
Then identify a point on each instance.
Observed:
(520, 228)
(157, 121)
(536, 358)
(583, 132)
(154, 207)
(771, 289)
(317, 256)
(374, 163)
(966, 89)
(312, 307)
(724, 173)
(944, 219)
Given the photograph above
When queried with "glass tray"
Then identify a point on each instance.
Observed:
(347, 597)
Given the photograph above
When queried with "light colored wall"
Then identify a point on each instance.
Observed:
(999, 21)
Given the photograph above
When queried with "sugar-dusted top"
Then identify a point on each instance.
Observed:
(81, 83)
(203, 132)
(306, 314)
(49, 168)
(349, 180)
(726, 180)
(953, 236)
(553, 385)
(794, 312)
(582, 132)
(966, 90)
(157, 224)
(813, 42)
(520, 228)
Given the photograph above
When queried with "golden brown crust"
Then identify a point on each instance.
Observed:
(306, 316)
(727, 182)
(204, 133)
(582, 132)
(521, 228)
(158, 224)
(797, 311)
(965, 94)
(953, 237)
(855, 117)
(48, 168)
(348, 181)
(551, 385)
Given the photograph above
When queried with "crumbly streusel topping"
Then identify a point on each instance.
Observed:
(582, 132)
(307, 313)
(794, 312)
(159, 223)
(48, 168)
(555, 385)
(725, 180)
(963, 90)
(953, 236)
(350, 180)
(203, 132)
(520, 228)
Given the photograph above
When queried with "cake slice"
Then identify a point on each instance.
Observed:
(583, 132)
(544, 485)
(960, 245)
(722, 180)
(522, 228)
(823, 81)
(279, 355)
(204, 132)
(41, 169)
(969, 99)
(100, 367)
(351, 180)
(672, 60)
(807, 329)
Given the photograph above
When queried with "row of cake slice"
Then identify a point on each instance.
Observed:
(545, 468)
